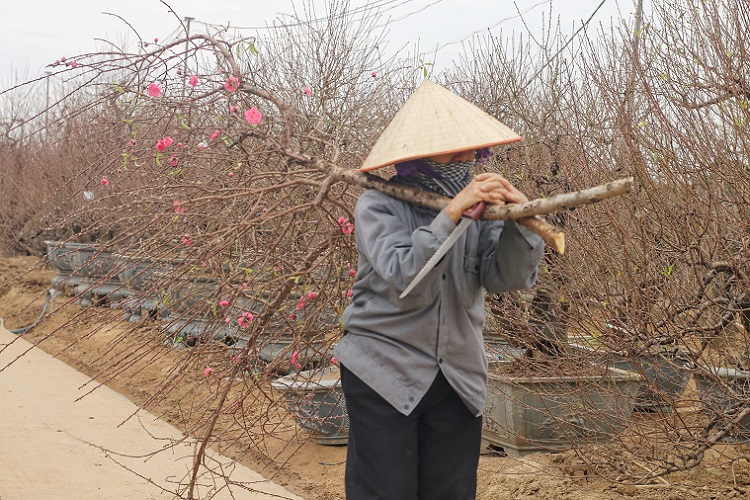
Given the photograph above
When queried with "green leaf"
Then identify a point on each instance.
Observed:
(183, 123)
(252, 49)
(667, 272)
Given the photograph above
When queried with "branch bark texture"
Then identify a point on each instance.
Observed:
(526, 213)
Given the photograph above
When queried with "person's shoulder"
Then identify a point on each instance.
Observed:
(374, 200)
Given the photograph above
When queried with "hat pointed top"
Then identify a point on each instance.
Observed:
(436, 121)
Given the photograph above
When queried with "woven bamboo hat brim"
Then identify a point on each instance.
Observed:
(436, 121)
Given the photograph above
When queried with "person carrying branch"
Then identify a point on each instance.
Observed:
(414, 369)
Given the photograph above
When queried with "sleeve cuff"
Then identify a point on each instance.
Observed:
(442, 226)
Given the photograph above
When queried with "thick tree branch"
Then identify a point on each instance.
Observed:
(525, 213)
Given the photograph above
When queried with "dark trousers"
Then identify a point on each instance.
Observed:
(432, 454)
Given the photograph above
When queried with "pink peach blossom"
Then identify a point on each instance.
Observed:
(232, 109)
(245, 319)
(346, 226)
(208, 371)
(104, 181)
(231, 174)
(214, 135)
(307, 91)
(153, 90)
(186, 240)
(232, 83)
(223, 303)
(253, 116)
(178, 208)
(352, 272)
(193, 80)
(295, 360)
(311, 295)
(73, 64)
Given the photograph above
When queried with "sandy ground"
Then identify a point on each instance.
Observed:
(287, 456)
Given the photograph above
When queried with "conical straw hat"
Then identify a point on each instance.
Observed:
(436, 121)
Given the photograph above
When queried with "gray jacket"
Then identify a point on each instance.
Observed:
(396, 346)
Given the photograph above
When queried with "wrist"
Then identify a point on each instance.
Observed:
(454, 212)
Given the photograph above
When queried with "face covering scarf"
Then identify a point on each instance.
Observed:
(450, 179)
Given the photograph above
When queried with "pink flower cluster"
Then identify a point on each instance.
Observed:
(193, 80)
(63, 60)
(178, 208)
(186, 240)
(245, 319)
(163, 143)
(346, 226)
(208, 371)
(295, 360)
(304, 298)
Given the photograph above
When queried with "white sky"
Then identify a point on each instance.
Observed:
(34, 33)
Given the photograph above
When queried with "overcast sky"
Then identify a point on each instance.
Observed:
(34, 33)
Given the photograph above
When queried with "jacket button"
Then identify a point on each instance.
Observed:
(411, 399)
(406, 407)
(440, 360)
(444, 276)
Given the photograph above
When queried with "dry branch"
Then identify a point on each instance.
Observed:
(525, 213)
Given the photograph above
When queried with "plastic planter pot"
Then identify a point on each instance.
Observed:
(724, 392)
(141, 275)
(664, 374)
(60, 257)
(530, 414)
(99, 281)
(317, 403)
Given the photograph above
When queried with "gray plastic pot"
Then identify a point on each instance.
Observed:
(317, 403)
(725, 391)
(664, 375)
(531, 414)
